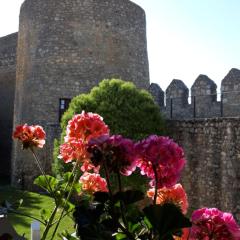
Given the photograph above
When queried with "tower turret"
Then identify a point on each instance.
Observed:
(65, 48)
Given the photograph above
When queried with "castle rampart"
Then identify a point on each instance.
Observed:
(212, 173)
(208, 129)
(203, 102)
(8, 46)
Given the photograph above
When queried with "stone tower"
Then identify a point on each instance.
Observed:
(7, 85)
(65, 48)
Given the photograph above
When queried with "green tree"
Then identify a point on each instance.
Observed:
(127, 111)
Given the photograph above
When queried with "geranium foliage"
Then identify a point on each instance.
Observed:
(105, 211)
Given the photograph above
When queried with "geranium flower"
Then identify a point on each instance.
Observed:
(93, 182)
(175, 195)
(73, 150)
(86, 126)
(30, 136)
(212, 224)
(117, 153)
(163, 155)
(88, 166)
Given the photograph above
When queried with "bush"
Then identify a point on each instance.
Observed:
(127, 110)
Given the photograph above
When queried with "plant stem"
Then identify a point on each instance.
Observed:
(156, 185)
(47, 228)
(121, 203)
(41, 170)
(49, 224)
(155, 196)
(68, 196)
(65, 214)
(119, 182)
(111, 197)
(108, 179)
(129, 235)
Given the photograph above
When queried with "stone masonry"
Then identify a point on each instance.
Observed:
(209, 132)
(66, 48)
(212, 173)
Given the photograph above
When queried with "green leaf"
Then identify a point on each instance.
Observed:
(134, 227)
(43, 214)
(11, 206)
(17, 204)
(67, 205)
(68, 177)
(47, 182)
(77, 187)
(129, 196)
(166, 219)
(147, 222)
(67, 236)
(120, 236)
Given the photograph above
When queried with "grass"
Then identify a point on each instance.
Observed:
(32, 204)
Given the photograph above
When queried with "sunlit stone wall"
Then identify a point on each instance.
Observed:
(65, 48)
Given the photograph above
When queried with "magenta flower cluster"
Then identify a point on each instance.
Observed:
(160, 159)
(211, 223)
(116, 152)
(157, 157)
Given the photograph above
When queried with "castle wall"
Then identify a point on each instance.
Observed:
(8, 46)
(212, 173)
(203, 101)
(65, 48)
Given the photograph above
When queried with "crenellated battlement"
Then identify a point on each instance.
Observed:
(204, 101)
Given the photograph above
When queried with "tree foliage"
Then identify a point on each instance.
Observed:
(127, 110)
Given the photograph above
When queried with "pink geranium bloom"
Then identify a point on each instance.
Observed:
(163, 155)
(116, 152)
(176, 195)
(88, 166)
(73, 150)
(30, 136)
(86, 126)
(212, 224)
(93, 182)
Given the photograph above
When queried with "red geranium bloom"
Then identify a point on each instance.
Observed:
(86, 126)
(163, 155)
(175, 195)
(93, 182)
(212, 224)
(30, 136)
(185, 235)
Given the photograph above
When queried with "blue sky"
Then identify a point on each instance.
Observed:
(191, 37)
(185, 37)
